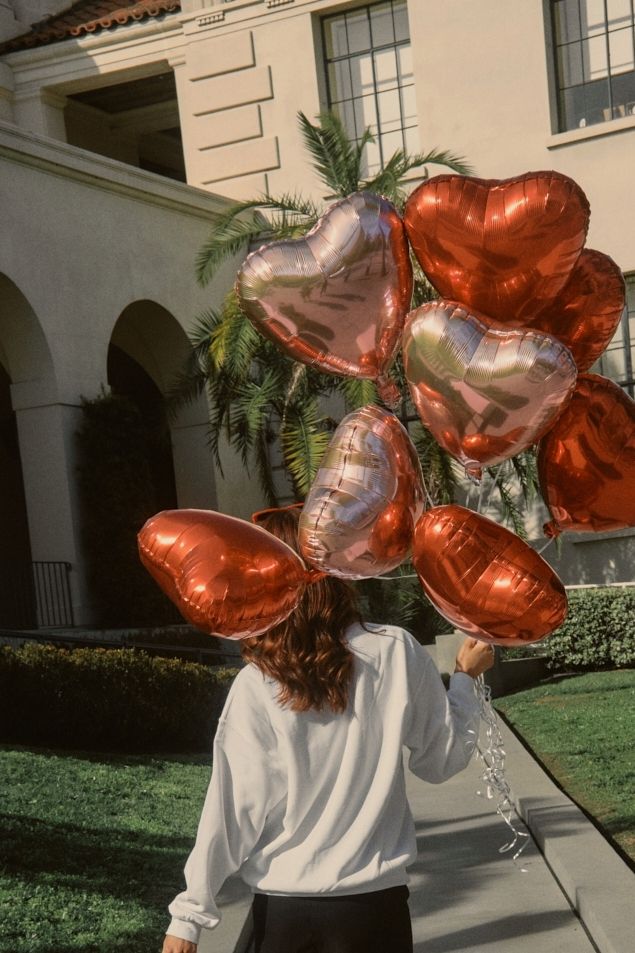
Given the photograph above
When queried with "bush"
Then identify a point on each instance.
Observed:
(108, 700)
(599, 631)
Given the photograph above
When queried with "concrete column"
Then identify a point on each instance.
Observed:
(42, 112)
(46, 435)
(193, 466)
(6, 93)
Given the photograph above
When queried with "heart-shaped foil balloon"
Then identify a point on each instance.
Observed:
(359, 517)
(586, 313)
(226, 576)
(484, 579)
(485, 391)
(586, 463)
(504, 247)
(337, 298)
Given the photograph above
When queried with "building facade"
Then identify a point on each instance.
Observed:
(124, 124)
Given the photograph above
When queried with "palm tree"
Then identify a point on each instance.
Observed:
(258, 395)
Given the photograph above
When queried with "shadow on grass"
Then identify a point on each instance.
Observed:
(115, 757)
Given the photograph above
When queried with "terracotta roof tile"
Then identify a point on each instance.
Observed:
(89, 16)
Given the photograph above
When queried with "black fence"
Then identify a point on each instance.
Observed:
(37, 595)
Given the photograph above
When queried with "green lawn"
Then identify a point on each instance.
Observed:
(93, 847)
(583, 730)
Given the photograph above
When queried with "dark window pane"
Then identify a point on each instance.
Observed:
(381, 22)
(566, 19)
(623, 94)
(400, 16)
(339, 80)
(358, 31)
(597, 101)
(573, 108)
(335, 37)
(570, 66)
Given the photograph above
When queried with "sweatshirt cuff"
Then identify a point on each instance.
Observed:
(184, 929)
(462, 682)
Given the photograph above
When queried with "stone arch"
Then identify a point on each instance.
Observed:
(146, 351)
(27, 382)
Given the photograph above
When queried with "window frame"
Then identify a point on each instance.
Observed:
(327, 61)
(556, 80)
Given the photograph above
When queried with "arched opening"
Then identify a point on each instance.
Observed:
(17, 603)
(26, 380)
(136, 461)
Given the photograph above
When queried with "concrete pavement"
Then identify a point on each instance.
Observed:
(577, 896)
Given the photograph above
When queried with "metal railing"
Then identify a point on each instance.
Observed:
(37, 595)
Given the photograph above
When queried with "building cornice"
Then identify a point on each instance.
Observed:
(108, 175)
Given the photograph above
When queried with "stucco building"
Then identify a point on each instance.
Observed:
(124, 124)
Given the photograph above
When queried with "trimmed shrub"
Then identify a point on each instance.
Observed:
(599, 631)
(108, 700)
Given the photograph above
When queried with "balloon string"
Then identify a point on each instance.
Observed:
(492, 757)
(427, 493)
(499, 474)
(548, 543)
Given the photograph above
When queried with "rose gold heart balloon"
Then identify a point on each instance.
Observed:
(359, 516)
(587, 311)
(586, 463)
(484, 579)
(504, 247)
(485, 391)
(337, 298)
(226, 576)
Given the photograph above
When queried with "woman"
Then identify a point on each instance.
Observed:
(307, 795)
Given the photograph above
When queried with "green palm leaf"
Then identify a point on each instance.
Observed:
(304, 441)
(358, 392)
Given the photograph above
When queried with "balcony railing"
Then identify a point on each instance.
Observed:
(37, 596)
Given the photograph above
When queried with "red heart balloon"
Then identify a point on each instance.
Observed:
(587, 311)
(337, 298)
(586, 463)
(485, 391)
(226, 576)
(504, 247)
(484, 579)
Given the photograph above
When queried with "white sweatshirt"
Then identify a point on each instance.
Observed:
(306, 803)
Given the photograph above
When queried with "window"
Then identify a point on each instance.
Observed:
(594, 60)
(618, 361)
(370, 83)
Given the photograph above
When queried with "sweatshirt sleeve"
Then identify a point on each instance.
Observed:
(240, 793)
(443, 730)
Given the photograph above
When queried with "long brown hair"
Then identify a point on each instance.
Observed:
(307, 654)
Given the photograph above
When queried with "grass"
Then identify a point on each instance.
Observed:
(582, 728)
(93, 848)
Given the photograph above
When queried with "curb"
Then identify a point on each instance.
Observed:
(598, 884)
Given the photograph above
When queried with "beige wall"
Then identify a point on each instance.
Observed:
(85, 239)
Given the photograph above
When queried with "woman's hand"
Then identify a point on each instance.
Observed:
(474, 657)
(173, 944)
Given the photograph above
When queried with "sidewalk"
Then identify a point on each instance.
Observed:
(578, 895)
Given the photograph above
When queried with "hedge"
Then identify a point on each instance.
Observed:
(599, 631)
(108, 700)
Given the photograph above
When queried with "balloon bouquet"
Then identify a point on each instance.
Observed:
(494, 366)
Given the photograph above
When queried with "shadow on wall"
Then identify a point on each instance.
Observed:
(593, 559)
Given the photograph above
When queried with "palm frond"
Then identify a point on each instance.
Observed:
(263, 467)
(304, 441)
(334, 156)
(244, 222)
(358, 392)
(510, 510)
(251, 409)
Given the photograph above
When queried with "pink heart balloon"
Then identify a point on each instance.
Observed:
(359, 517)
(337, 298)
(485, 391)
